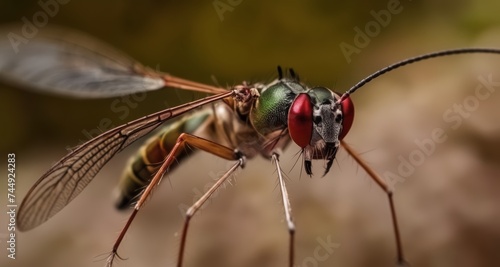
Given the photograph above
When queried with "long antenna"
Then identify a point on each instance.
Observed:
(414, 60)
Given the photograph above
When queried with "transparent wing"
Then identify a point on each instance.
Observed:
(66, 62)
(68, 177)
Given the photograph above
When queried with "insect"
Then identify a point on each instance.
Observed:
(236, 124)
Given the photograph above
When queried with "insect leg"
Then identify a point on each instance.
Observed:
(378, 180)
(183, 139)
(288, 209)
(199, 203)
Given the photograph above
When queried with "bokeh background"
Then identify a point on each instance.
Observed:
(448, 207)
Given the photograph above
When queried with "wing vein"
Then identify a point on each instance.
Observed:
(68, 177)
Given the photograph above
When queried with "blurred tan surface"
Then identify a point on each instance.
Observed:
(448, 207)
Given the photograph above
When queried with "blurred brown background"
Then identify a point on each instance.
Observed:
(448, 207)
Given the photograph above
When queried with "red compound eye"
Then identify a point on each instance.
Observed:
(348, 114)
(300, 120)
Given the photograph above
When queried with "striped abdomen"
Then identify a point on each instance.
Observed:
(147, 161)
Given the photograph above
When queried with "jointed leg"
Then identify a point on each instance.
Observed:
(388, 191)
(288, 209)
(197, 142)
(198, 204)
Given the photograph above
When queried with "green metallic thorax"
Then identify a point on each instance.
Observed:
(270, 111)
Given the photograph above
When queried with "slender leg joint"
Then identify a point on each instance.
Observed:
(190, 212)
(241, 158)
(383, 185)
(217, 150)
